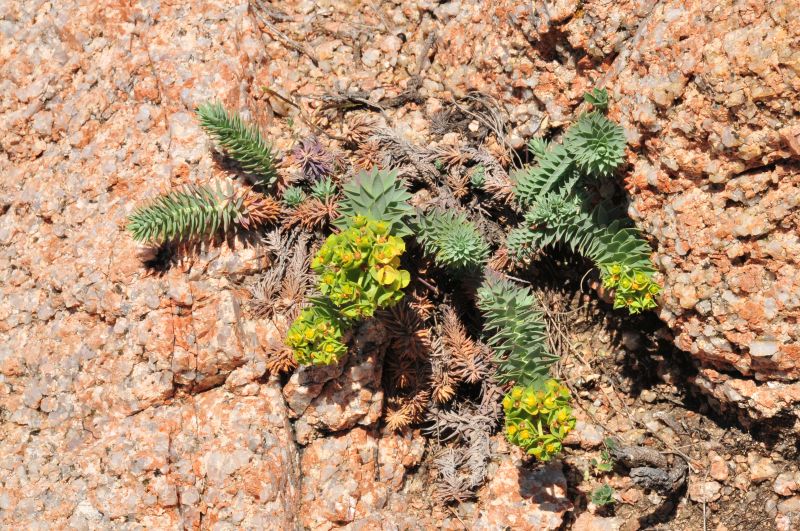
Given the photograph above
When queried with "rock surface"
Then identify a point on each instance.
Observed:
(332, 399)
(520, 498)
(354, 478)
(715, 114)
(140, 401)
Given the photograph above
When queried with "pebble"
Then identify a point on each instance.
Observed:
(762, 469)
(719, 467)
(648, 396)
(391, 44)
(704, 491)
(370, 57)
(792, 505)
(786, 483)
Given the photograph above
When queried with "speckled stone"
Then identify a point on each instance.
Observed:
(132, 401)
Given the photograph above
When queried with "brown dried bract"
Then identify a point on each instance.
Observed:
(410, 338)
(359, 128)
(458, 182)
(453, 156)
(404, 411)
(369, 155)
(454, 336)
(261, 209)
(400, 371)
(279, 357)
(313, 214)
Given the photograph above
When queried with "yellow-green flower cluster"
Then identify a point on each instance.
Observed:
(538, 417)
(316, 337)
(359, 271)
(359, 268)
(633, 289)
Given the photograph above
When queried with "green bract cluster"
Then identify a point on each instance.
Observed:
(538, 417)
(633, 289)
(359, 268)
(453, 240)
(316, 336)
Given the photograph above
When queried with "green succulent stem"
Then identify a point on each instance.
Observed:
(519, 334)
(557, 212)
(620, 252)
(197, 212)
(241, 141)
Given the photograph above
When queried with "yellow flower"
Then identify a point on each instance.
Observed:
(507, 402)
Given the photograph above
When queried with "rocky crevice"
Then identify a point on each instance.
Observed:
(139, 400)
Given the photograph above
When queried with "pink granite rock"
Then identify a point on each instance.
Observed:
(525, 497)
(140, 400)
(349, 478)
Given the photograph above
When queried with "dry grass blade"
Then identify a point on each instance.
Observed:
(452, 485)
(282, 288)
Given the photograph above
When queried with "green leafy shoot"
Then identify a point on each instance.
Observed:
(197, 212)
(519, 334)
(324, 189)
(477, 177)
(603, 495)
(538, 147)
(453, 240)
(293, 196)
(597, 98)
(240, 141)
(606, 462)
